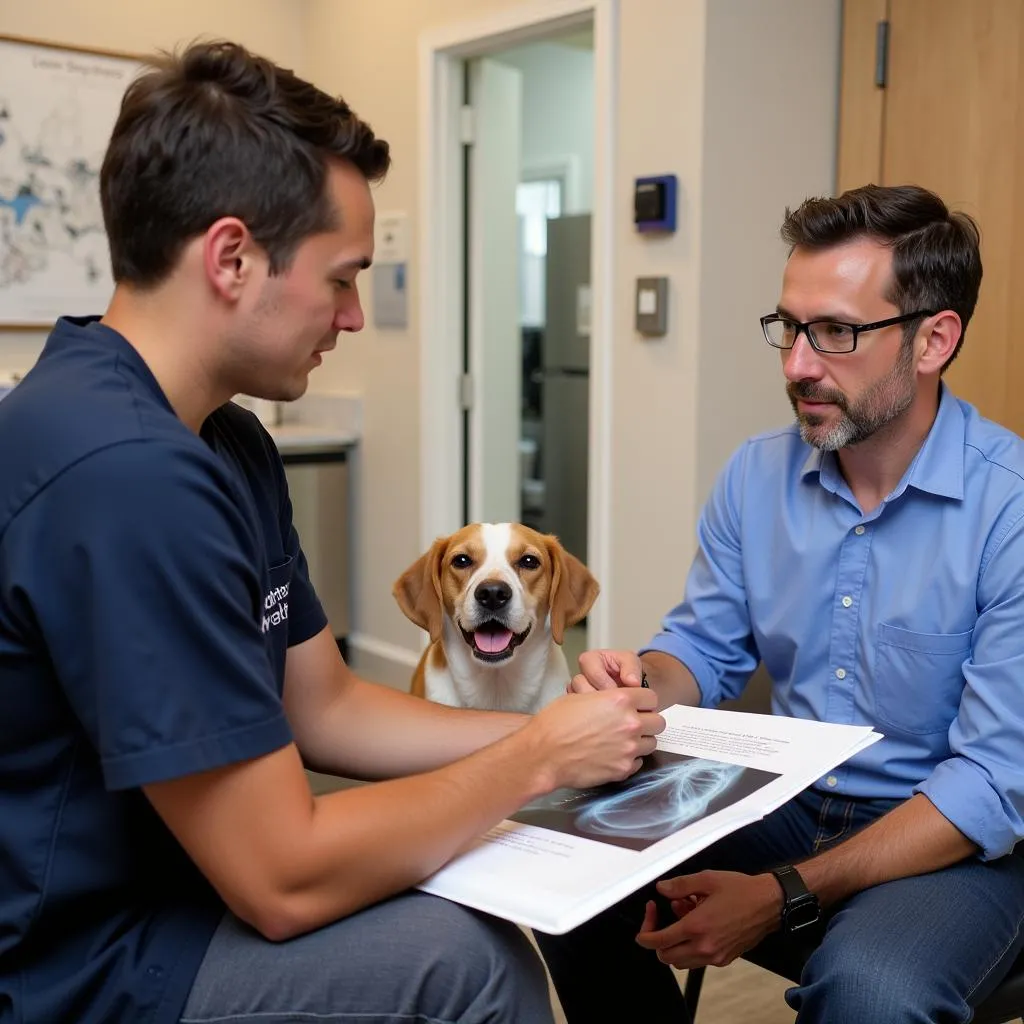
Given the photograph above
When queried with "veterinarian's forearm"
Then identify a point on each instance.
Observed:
(374, 732)
(670, 679)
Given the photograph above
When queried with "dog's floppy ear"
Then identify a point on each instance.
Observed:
(418, 590)
(573, 589)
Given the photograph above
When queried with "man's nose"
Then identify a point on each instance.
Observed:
(802, 361)
(349, 315)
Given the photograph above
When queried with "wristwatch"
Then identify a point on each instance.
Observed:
(800, 907)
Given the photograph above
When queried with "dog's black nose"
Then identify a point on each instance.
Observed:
(493, 595)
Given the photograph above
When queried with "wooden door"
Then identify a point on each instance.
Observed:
(951, 118)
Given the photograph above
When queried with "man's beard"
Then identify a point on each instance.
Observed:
(884, 401)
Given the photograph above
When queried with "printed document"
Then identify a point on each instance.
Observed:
(573, 853)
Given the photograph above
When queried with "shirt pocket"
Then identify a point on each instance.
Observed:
(919, 678)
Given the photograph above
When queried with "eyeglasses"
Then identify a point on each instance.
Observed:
(831, 337)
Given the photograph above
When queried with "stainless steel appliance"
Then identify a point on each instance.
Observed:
(565, 381)
(318, 487)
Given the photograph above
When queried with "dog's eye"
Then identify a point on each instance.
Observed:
(462, 562)
(529, 562)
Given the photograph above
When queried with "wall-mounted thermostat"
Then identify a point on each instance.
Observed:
(654, 203)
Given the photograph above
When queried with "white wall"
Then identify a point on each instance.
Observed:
(558, 121)
(768, 143)
(495, 345)
(660, 127)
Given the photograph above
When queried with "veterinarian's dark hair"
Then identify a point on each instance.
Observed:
(217, 131)
(936, 256)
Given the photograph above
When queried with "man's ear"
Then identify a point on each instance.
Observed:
(938, 337)
(418, 590)
(229, 257)
(573, 589)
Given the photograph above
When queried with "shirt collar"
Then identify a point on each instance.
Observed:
(938, 467)
(80, 332)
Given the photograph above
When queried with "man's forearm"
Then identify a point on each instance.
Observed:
(912, 839)
(417, 735)
(670, 679)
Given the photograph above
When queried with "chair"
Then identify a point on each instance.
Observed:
(1003, 1005)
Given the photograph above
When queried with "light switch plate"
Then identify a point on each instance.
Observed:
(652, 306)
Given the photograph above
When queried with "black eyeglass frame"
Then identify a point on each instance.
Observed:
(857, 329)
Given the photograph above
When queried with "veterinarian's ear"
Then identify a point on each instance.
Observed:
(418, 590)
(573, 589)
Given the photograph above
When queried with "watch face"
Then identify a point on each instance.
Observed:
(802, 913)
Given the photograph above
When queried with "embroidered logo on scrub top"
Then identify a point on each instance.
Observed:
(275, 607)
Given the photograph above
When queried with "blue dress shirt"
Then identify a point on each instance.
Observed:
(909, 619)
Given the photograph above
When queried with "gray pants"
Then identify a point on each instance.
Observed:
(416, 959)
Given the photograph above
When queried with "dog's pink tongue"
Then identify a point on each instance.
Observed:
(493, 643)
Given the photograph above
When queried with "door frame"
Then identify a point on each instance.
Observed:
(442, 52)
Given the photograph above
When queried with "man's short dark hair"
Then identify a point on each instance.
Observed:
(217, 131)
(936, 257)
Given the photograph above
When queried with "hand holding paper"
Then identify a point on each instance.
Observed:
(598, 736)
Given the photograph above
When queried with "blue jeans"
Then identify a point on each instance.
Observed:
(413, 959)
(921, 949)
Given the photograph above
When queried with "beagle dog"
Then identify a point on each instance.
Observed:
(496, 599)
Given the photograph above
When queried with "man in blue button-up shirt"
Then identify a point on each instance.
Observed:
(872, 557)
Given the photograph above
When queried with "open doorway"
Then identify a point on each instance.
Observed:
(529, 185)
(489, 295)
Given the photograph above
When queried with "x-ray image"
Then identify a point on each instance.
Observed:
(669, 792)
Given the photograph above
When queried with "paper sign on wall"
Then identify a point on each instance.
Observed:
(391, 242)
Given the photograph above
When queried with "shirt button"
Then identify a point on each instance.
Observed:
(858, 530)
(832, 780)
(840, 673)
(847, 601)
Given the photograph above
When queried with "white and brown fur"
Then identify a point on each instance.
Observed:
(495, 575)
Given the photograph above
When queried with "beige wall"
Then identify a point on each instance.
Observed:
(769, 126)
(704, 92)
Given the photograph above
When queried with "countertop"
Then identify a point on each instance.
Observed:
(305, 439)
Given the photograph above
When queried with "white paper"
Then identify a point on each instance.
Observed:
(391, 244)
(568, 856)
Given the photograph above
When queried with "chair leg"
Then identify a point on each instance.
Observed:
(691, 993)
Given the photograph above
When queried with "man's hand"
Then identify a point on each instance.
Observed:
(669, 678)
(597, 737)
(606, 670)
(721, 914)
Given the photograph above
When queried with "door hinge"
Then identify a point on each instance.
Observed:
(467, 126)
(466, 392)
(882, 54)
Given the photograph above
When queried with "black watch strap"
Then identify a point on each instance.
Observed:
(792, 884)
(800, 906)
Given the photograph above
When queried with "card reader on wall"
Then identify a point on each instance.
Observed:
(654, 203)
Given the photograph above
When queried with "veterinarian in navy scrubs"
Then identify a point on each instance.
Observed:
(165, 666)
